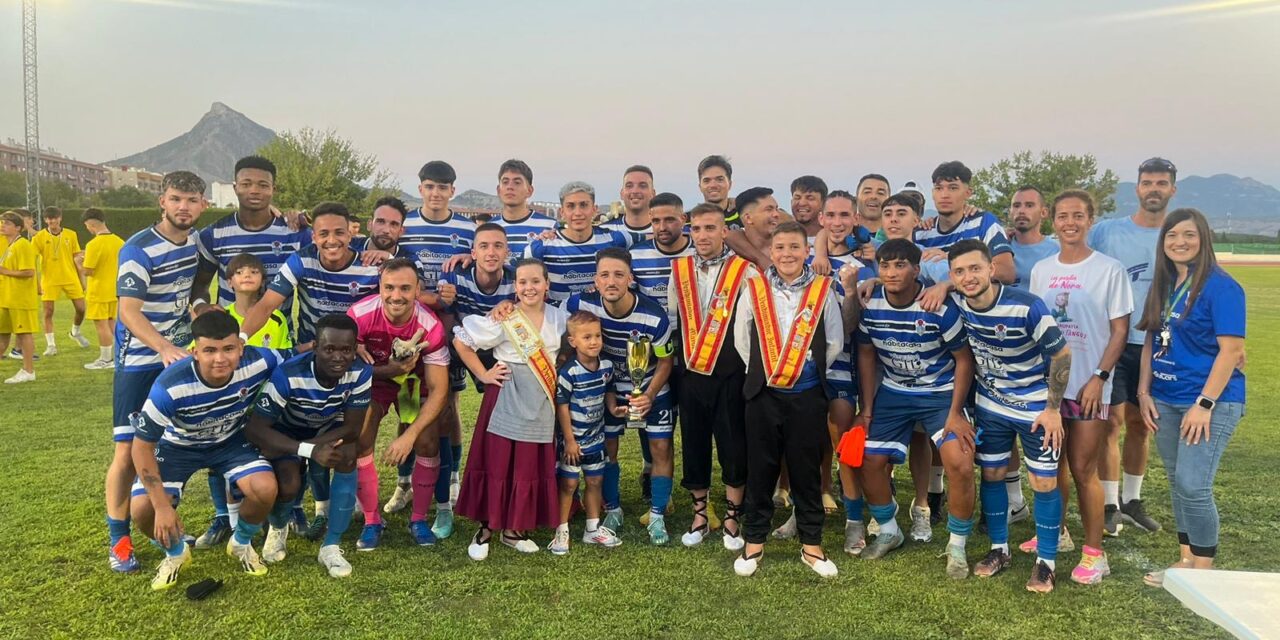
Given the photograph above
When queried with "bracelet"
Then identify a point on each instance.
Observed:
(305, 449)
(1143, 393)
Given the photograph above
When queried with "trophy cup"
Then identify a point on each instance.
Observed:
(637, 367)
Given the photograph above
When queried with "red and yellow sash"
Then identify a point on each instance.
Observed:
(703, 337)
(783, 361)
(528, 341)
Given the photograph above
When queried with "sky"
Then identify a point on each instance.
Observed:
(583, 89)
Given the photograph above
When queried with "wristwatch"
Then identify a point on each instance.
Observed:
(1102, 374)
(1206, 403)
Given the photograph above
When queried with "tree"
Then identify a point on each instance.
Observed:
(124, 197)
(1052, 173)
(13, 192)
(314, 166)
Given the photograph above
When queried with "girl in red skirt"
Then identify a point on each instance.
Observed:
(510, 482)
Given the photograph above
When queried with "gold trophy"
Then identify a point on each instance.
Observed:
(637, 367)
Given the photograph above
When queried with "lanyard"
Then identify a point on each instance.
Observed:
(1173, 300)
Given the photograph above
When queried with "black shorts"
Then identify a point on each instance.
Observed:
(1124, 385)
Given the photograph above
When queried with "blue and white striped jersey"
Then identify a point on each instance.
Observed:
(1012, 343)
(297, 402)
(571, 266)
(982, 226)
(432, 243)
(471, 299)
(160, 273)
(184, 411)
(583, 390)
(320, 290)
(521, 232)
(646, 318)
(914, 346)
(225, 239)
(634, 236)
(843, 372)
(651, 268)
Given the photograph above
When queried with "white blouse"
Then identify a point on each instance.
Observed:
(481, 332)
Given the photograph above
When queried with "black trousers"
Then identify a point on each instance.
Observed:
(790, 427)
(712, 407)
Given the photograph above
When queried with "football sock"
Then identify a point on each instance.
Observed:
(245, 532)
(426, 471)
(404, 471)
(960, 530)
(935, 479)
(117, 529)
(661, 494)
(318, 480)
(75, 329)
(233, 514)
(995, 505)
(48, 339)
(853, 508)
(367, 490)
(218, 494)
(455, 450)
(343, 494)
(611, 489)
(104, 354)
(1111, 492)
(176, 548)
(593, 524)
(446, 466)
(1048, 506)
(1013, 487)
(884, 515)
(279, 515)
(1131, 489)
(644, 450)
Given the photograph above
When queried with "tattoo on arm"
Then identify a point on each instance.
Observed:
(1059, 374)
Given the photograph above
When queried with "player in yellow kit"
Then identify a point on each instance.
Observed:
(59, 251)
(100, 266)
(18, 297)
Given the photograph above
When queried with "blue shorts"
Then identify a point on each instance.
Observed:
(660, 422)
(589, 464)
(995, 443)
(457, 375)
(233, 459)
(894, 416)
(843, 390)
(129, 391)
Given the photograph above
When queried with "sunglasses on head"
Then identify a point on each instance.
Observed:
(1157, 165)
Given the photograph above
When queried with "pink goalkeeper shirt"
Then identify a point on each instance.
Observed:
(377, 333)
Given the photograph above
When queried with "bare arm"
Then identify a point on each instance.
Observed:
(1059, 375)
(1003, 269)
(168, 528)
(130, 310)
(200, 287)
(1230, 350)
(737, 240)
(261, 312)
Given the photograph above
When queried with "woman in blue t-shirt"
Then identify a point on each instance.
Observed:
(1191, 390)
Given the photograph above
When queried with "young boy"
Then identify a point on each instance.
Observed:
(247, 275)
(100, 268)
(583, 392)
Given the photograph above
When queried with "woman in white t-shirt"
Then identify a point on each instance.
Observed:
(1091, 299)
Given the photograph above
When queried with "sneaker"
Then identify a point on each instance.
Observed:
(399, 500)
(370, 537)
(520, 543)
(560, 544)
(957, 562)
(822, 565)
(170, 567)
(218, 532)
(921, 527)
(855, 537)
(478, 550)
(98, 365)
(443, 526)
(455, 488)
(421, 533)
(14, 354)
(1093, 567)
(936, 513)
(79, 339)
(1042, 579)
(994, 562)
(745, 565)
(658, 530)
(122, 558)
(250, 563)
(1133, 513)
(273, 550)
(298, 520)
(21, 376)
(1021, 513)
(330, 557)
(602, 536)
(1065, 543)
(646, 486)
(50, 350)
(613, 519)
(788, 529)
(1111, 524)
(781, 498)
(882, 545)
(319, 525)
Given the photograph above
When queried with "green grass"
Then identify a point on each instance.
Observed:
(54, 580)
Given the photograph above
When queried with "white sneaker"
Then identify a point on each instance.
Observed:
(50, 350)
(273, 550)
(788, 529)
(523, 545)
(855, 537)
(921, 530)
(167, 573)
(399, 500)
(330, 557)
(250, 563)
(21, 376)
(80, 339)
(602, 536)
(100, 364)
(560, 544)
(823, 567)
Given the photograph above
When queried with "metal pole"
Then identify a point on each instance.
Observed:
(31, 110)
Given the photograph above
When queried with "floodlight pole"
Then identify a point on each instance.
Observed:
(31, 109)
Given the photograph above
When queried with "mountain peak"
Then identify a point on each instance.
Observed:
(210, 149)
